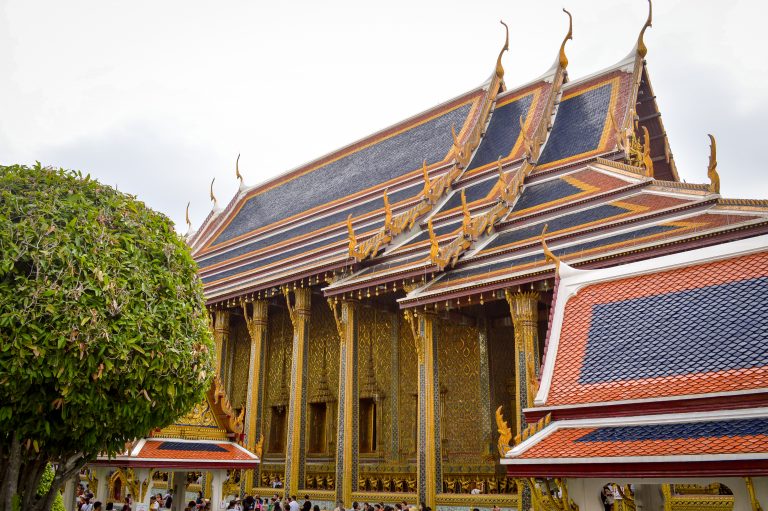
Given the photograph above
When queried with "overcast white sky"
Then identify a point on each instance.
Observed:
(158, 97)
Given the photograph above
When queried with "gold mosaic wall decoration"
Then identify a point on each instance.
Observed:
(277, 374)
(375, 357)
(459, 365)
(241, 345)
(408, 391)
(501, 366)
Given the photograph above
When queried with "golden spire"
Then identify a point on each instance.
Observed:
(213, 197)
(641, 49)
(189, 223)
(387, 212)
(499, 67)
(714, 177)
(237, 170)
(569, 35)
(351, 232)
(550, 257)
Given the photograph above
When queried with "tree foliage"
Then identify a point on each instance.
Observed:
(103, 330)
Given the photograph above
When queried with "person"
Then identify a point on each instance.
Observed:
(97, 506)
(110, 506)
(199, 500)
(192, 504)
(86, 505)
(156, 503)
(129, 500)
(307, 506)
(168, 500)
(293, 504)
(231, 504)
(126, 507)
(277, 483)
(339, 506)
(315, 508)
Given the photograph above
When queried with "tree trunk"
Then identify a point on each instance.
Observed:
(12, 474)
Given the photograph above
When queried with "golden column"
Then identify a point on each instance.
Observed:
(297, 410)
(524, 308)
(256, 322)
(428, 438)
(347, 445)
(220, 335)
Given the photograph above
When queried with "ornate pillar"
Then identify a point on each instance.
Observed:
(347, 444)
(394, 391)
(429, 455)
(485, 385)
(256, 322)
(523, 307)
(220, 336)
(297, 410)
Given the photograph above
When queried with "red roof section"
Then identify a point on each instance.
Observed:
(158, 449)
(563, 444)
(570, 365)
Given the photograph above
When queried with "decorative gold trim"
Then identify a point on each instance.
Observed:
(641, 48)
(505, 433)
(418, 339)
(714, 177)
(752, 496)
(387, 212)
(532, 429)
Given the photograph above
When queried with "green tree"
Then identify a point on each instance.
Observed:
(103, 329)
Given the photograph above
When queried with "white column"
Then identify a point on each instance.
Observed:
(141, 475)
(69, 493)
(179, 490)
(101, 492)
(217, 482)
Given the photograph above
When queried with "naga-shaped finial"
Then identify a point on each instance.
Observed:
(213, 197)
(237, 170)
(569, 35)
(434, 249)
(527, 143)
(387, 211)
(499, 67)
(550, 257)
(427, 184)
(647, 160)
(456, 143)
(714, 177)
(189, 222)
(505, 433)
(352, 239)
(466, 221)
(641, 49)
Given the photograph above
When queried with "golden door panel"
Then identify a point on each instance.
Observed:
(461, 414)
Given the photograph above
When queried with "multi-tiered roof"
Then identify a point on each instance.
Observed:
(450, 203)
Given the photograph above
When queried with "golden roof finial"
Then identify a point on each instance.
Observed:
(456, 143)
(569, 35)
(434, 249)
(647, 160)
(237, 169)
(641, 49)
(352, 239)
(467, 220)
(714, 177)
(427, 184)
(189, 223)
(387, 211)
(550, 257)
(213, 197)
(499, 67)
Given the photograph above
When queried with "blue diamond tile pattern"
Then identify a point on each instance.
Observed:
(691, 430)
(679, 333)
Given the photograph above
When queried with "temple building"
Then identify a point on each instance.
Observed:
(380, 311)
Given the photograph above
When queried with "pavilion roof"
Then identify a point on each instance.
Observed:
(181, 453)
